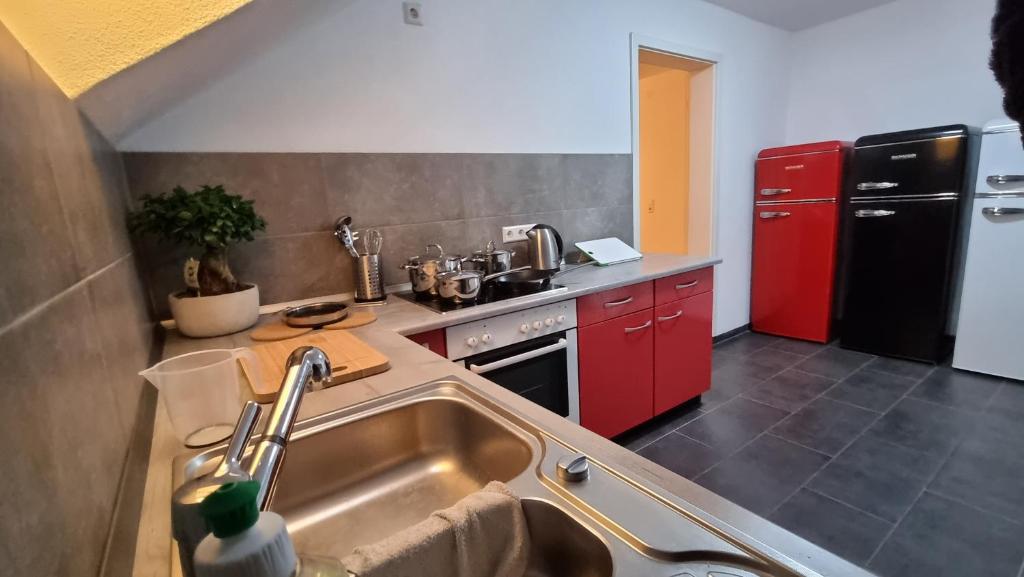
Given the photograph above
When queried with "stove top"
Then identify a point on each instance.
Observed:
(491, 293)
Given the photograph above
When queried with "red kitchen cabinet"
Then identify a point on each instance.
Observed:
(616, 367)
(432, 340)
(680, 286)
(614, 303)
(647, 352)
(682, 351)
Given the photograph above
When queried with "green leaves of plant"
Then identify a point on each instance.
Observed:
(208, 218)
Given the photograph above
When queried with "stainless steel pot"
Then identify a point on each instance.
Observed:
(423, 270)
(459, 286)
(465, 285)
(491, 260)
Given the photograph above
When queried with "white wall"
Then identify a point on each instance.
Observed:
(909, 64)
(530, 76)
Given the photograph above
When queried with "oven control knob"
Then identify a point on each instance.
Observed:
(486, 338)
(560, 319)
(537, 325)
(471, 342)
(549, 322)
(524, 328)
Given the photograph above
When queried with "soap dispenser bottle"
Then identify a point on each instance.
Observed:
(247, 543)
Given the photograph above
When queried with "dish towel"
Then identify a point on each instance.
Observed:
(483, 535)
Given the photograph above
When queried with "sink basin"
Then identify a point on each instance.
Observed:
(360, 480)
(560, 546)
(357, 481)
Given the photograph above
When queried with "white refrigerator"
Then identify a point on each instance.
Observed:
(990, 334)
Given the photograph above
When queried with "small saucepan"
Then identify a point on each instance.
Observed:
(492, 260)
(462, 286)
(423, 270)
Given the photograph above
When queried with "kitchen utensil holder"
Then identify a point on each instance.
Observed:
(369, 279)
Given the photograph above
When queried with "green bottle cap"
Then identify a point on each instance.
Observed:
(231, 509)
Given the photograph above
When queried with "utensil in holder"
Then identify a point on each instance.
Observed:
(369, 279)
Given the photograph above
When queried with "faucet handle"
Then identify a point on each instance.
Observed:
(187, 525)
(230, 468)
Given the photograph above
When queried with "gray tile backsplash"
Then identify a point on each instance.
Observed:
(457, 200)
(35, 244)
(288, 188)
(75, 329)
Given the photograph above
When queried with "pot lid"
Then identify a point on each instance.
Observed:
(489, 250)
(426, 257)
(459, 274)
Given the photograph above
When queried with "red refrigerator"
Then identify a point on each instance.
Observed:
(796, 224)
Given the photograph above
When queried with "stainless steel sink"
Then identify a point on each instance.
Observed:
(360, 474)
(355, 481)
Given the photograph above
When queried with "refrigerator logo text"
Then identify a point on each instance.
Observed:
(794, 167)
(903, 156)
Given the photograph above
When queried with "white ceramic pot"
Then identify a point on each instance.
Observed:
(216, 315)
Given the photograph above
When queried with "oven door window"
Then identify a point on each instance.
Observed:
(542, 379)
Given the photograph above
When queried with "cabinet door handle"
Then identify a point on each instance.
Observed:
(1003, 179)
(687, 285)
(639, 328)
(678, 314)
(613, 304)
(866, 213)
(1001, 211)
(773, 214)
(877, 185)
(775, 191)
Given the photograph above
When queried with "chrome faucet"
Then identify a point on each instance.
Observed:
(307, 368)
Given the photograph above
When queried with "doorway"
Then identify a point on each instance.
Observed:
(673, 149)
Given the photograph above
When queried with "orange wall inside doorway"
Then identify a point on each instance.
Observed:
(664, 157)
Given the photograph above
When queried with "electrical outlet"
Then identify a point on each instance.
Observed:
(412, 13)
(515, 233)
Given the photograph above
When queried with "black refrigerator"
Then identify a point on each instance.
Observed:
(900, 255)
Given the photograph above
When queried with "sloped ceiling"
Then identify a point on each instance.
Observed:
(82, 42)
(150, 87)
(795, 15)
(126, 62)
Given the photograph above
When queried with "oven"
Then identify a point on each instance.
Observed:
(532, 353)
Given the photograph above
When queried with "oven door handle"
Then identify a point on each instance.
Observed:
(481, 369)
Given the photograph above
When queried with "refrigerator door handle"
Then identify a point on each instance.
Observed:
(773, 214)
(775, 191)
(1001, 211)
(877, 185)
(868, 213)
(1004, 179)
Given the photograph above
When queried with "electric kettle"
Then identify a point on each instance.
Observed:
(544, 248)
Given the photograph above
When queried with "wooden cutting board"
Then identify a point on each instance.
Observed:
(350, 357)
(353, 320)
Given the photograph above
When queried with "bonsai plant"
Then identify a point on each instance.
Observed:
(209, 219)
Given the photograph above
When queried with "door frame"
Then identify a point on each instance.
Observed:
(641, 41)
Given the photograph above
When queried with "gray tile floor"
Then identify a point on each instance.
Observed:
(903, 468)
